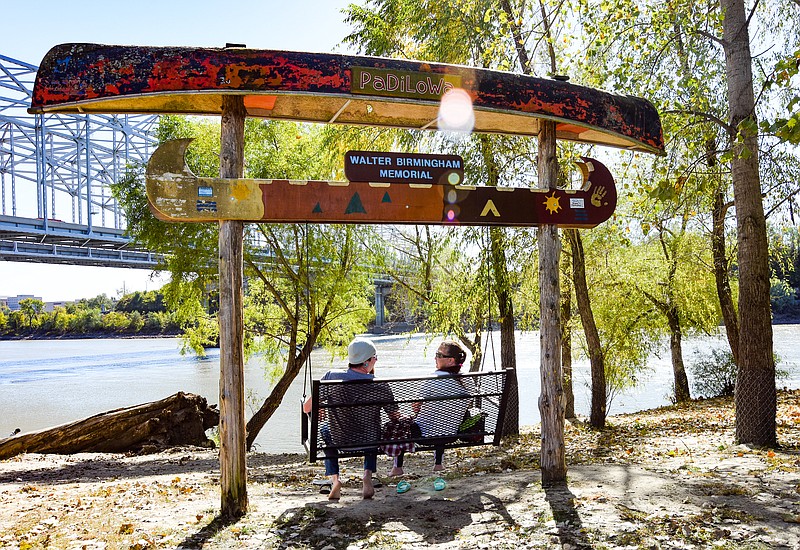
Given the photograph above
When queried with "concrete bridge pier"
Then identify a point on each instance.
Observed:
(382, 289)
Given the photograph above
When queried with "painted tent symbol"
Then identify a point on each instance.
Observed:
(355, 205)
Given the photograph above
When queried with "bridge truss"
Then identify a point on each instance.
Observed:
(55, 177)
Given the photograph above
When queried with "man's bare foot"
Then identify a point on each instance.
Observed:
(369, 489)
(438, 468)
(336, 490)
(396, 472)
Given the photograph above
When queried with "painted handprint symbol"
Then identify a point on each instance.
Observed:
(598, 195)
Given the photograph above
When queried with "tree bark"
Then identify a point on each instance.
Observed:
(719, 254)
(502, 291)
(294, 364)
(551, 401)
(676, 352)
(756, 399)
(566, 337)
(597, 417)
(181, 419)
(233, 468)
(505, 306)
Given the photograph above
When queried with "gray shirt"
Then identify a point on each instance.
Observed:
(355, 426)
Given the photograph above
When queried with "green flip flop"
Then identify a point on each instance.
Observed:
(439, 484)
(403, 486)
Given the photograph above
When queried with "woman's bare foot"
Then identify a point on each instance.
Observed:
(369, 489)
(395, 471)
(438, 468)
(336, 490)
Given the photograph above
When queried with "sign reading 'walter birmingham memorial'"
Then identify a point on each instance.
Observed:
(413, 168)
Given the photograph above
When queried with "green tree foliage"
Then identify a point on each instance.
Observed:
(625, 319)
(305, 286)
(142, 302)
(30, 308)
(784, 255)
(714, 374)
(89, 316)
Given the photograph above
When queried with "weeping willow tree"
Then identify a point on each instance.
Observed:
(306, 286)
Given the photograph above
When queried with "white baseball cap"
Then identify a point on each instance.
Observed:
(360, 351)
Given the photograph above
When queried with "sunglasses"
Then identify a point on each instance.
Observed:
(440, 355)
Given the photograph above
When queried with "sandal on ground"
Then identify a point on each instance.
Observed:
(323, 484)
(403, 486)
(439, 484)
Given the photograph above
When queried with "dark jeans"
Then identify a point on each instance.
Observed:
(332, 455)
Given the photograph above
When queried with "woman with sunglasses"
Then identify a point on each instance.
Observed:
(441, 418)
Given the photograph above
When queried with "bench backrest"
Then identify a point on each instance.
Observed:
(349, 417)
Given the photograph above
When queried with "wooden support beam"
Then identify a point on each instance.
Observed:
(551, 400)
(232, 434)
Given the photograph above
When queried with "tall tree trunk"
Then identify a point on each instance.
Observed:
(566, 337)
(756, 399)
(597, 418)
(505, 306)
(719, 253)
(676, 351)
(722, 275)
(233, 468)
(551, 401)
(294, 363)
(502, 291)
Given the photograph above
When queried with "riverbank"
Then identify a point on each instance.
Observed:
(90, 336)
(666, 478)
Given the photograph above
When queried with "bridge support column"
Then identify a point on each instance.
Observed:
(381, 290)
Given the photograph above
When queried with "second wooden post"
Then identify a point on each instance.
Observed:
(551, 400)
(232, 433)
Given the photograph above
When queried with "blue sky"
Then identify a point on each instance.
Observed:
(29, 29)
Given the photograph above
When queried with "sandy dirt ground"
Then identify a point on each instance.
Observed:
(669, 478)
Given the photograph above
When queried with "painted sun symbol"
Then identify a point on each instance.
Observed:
(551, 204)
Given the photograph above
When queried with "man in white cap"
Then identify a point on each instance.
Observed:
(347, 427)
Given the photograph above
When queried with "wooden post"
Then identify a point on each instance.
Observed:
(232, 433)
(551, 400)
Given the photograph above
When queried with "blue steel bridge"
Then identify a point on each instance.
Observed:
(55, 171)
(55, 175)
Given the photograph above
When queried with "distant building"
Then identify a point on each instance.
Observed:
(50, 306)
(13, 301)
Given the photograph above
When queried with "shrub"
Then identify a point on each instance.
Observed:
(86, 321)
(713, 375)
(115, 321)
(782, 297)
(137, 321)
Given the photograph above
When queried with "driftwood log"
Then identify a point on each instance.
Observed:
(180, 419)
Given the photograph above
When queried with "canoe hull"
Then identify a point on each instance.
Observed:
(320, 87)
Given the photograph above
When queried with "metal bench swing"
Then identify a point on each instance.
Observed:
(350, 417)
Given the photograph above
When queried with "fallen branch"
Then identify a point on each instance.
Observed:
(180, 419)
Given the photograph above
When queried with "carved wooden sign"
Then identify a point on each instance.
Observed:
(176, 194)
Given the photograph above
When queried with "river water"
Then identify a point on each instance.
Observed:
(44, 383)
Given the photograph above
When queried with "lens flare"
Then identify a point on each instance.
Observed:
(455, 111)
